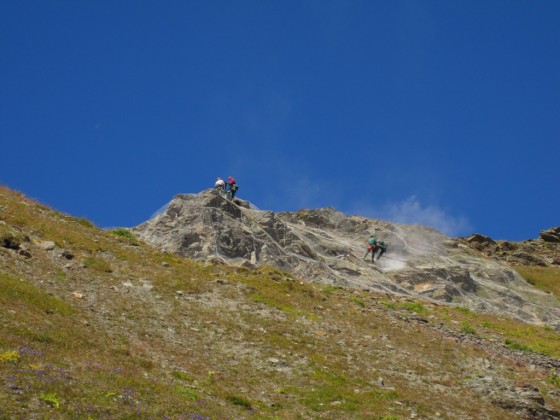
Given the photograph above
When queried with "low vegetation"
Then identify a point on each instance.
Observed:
(103, 326)
(543, 278)
(125, 234)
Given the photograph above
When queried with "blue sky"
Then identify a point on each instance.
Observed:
(444, 113)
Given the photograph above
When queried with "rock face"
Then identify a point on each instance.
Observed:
(551, 235)
(327, 246)
(544, 251)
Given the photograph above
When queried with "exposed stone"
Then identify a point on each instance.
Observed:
(482, 239)
(544, 251)
(525, 258)
(67, 254)
(24, 253)
(551, 235)
(247, 264)
(219, 325)
(46, 245)
(506, 246)
(327, 246)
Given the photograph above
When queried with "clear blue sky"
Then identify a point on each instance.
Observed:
(444, 113)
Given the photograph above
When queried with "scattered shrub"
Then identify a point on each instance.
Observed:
(416, 307)
(182, 376)
(489, 324)
(51, 399)
(126, 234)
(97, 264)
(189, 393)
(329, 290)
(553, 378)
(464, 310)
(357, 301)
(10, 356)
(85, 222)
(515, 345)
(240, 401)
(466, 328)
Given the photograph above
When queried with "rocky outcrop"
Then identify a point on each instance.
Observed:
(551, 235)
(327, 246)
(544, 251)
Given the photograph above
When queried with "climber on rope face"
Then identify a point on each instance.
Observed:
(220, 185)
(373, 246)
(233, 187)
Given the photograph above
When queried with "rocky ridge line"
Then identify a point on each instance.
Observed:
(327, 246)
(543, 251)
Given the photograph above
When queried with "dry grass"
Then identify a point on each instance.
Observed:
(123, 331)
(543, 278)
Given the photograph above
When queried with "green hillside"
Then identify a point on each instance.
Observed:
(96, 324)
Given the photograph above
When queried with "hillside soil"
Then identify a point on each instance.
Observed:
(96, 324)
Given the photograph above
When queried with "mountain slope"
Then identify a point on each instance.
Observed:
(97, 324)
(327, 246)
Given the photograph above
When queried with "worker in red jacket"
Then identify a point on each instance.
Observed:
(232, 186)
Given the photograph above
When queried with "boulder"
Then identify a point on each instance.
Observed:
(481, 239)
(46, 245)
(551, 235)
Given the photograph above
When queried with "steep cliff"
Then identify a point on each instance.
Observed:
(328, 247)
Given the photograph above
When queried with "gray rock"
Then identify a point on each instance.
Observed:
(551, 235)
(326, 246)
(24, 253)
(524, 258)
(46, 245)
(482, 239)
(67, 254)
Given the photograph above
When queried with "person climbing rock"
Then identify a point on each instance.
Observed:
(220, 184)
(233, 187)
(372, 247)
(383, 247)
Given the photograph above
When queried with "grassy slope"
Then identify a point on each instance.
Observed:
(543, 278)
(121, 330)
